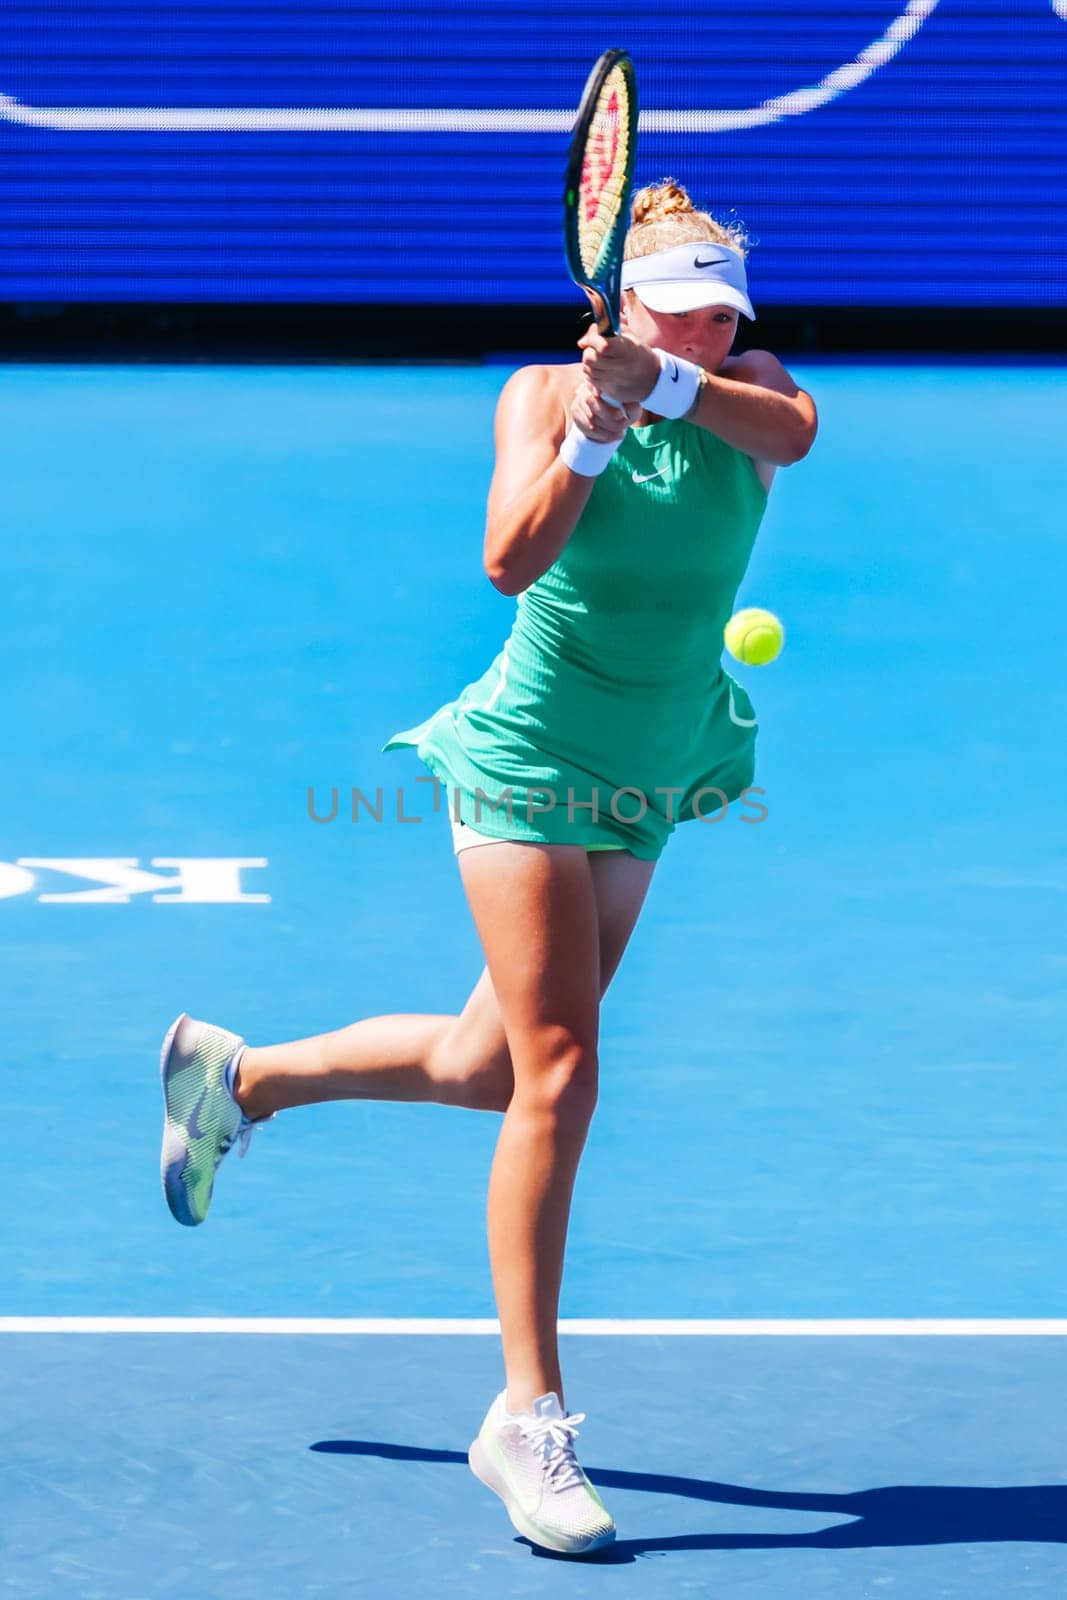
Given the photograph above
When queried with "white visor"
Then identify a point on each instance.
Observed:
(688, 276)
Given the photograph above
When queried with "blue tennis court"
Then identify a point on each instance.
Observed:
(832, 1102)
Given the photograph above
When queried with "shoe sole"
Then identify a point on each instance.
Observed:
(174, 1155)
(484, 1470)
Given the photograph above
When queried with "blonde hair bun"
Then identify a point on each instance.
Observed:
(659, 201)
(662, 215)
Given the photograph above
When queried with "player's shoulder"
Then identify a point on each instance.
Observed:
(759, 366)
(539, 392)
(542, 378)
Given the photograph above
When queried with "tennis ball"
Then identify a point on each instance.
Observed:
(754, 636)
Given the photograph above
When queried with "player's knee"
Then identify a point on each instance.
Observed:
(558, 1077)
(487, 1088)
(465, 1076)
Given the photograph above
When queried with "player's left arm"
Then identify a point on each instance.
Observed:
(751, 402)
(754, 405)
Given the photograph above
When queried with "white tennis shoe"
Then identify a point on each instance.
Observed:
(529, 1461)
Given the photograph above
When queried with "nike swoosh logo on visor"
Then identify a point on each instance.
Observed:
(716, 261)
(648, 476)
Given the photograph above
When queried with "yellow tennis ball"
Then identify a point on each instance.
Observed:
(754, 636)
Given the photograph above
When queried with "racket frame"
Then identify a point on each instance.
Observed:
(604, 291)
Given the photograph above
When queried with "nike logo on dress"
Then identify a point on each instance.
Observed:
(648, 476)
(716, 261)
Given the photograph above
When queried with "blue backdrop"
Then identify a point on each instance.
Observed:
(382, 150)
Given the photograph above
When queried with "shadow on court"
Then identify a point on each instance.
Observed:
(903, 1514)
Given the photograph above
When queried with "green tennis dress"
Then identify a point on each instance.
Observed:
(607, 717)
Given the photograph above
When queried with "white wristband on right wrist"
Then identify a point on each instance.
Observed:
(586, 457)
(676, 387)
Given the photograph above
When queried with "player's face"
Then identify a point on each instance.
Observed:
(704, 336)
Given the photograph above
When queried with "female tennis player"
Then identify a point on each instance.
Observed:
(607, 719)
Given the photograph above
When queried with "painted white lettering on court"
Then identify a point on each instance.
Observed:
(14, 880)
(197, 880)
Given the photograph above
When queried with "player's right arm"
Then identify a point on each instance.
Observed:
(535, 499)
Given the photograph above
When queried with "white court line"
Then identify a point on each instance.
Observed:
(344, 119)
(600, 1327)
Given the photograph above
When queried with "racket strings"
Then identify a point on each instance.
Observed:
(603, 185)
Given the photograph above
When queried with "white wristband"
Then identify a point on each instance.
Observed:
(676, 388)
(585, 456)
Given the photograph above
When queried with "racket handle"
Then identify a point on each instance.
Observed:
(606, 325)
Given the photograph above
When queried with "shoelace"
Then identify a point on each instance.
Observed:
(553, 1439)
(243, 1135)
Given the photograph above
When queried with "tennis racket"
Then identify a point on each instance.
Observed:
(596, 196)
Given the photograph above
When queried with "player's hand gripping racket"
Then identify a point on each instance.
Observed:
(596, 196)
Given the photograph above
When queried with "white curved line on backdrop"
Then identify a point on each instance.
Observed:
(325, 119)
